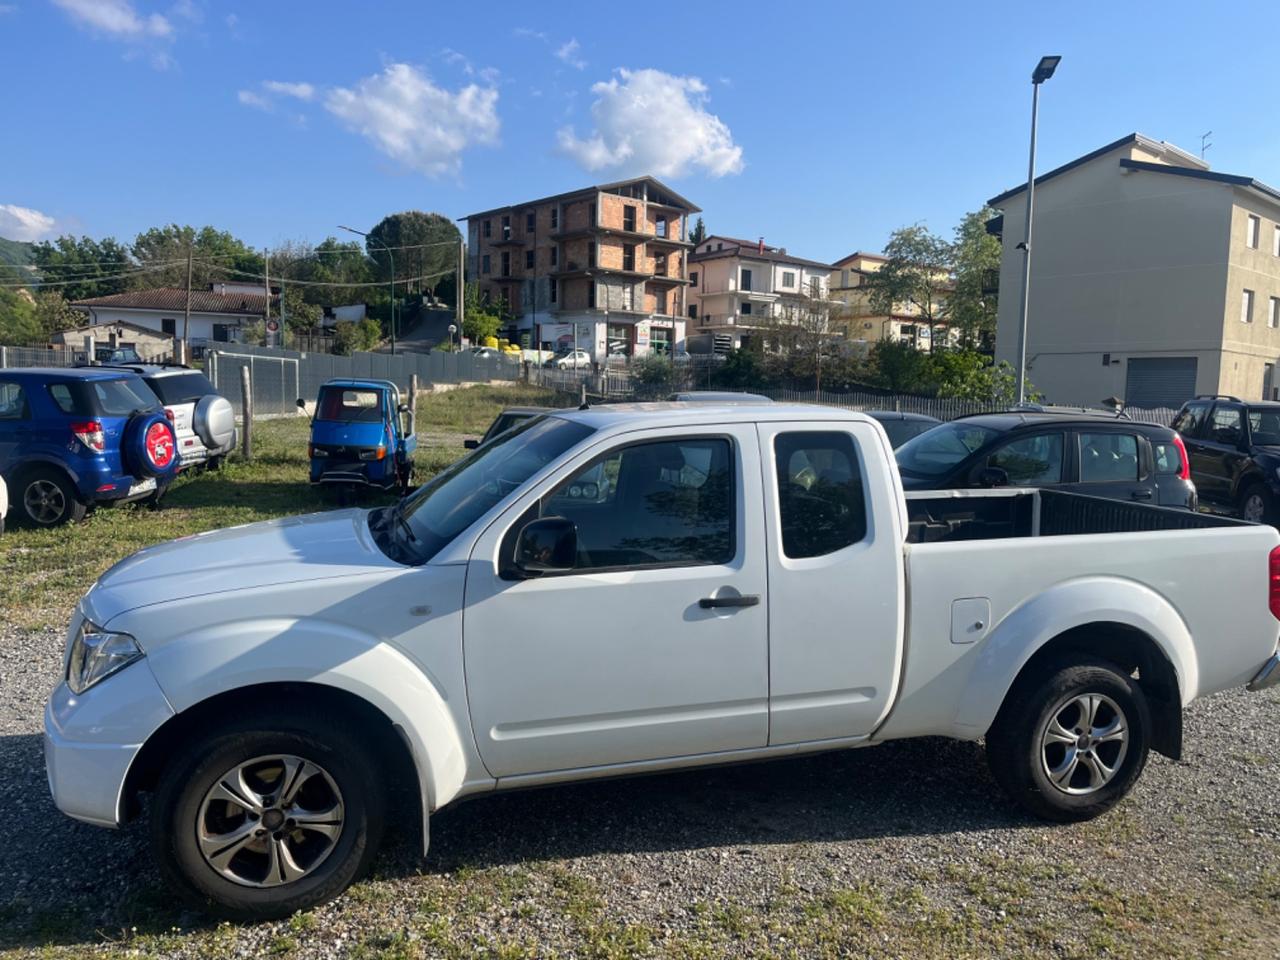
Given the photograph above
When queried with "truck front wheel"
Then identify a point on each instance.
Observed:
(1071, 739)
(267, 817)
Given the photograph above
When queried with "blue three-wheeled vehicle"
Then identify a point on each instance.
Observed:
(362, 436)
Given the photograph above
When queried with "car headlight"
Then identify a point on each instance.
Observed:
(96, 654)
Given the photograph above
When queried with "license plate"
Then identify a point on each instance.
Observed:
(143, 486)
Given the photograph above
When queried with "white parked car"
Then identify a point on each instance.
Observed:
(204, 422)
(748, 582)
(570, 360)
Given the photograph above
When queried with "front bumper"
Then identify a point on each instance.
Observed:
(1268, 676)
(91, 740)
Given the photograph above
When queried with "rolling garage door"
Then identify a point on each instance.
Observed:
(1160, 381)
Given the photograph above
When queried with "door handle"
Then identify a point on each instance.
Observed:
(1142, 494)
(711, 603)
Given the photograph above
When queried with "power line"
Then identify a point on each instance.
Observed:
(375, 283)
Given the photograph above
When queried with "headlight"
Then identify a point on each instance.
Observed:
(96, 654)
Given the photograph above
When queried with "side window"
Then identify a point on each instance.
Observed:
(13, 402)
(61, 394)
(667, 503)
(1168, 459)
(1227, 425)
(1189, 420)
(1031, 460)
(1108, 457)
(821, 503)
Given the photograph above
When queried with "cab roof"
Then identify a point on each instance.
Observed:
(691, 413)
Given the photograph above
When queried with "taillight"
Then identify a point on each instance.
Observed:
(1273, 583)
(90, 434)
(168, 414)
(1184, 472)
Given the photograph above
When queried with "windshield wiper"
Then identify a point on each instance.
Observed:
(398, 517)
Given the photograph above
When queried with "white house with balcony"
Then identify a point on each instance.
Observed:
(739, 289)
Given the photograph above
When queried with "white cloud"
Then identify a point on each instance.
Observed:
(410, 119)
(568, 52)
(255, 100)
(23, 223)
(647, 121)
(527, 32)
(116, 18)
(302, 91)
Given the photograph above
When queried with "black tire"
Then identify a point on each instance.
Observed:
(184, 783)
(1265, 503)
(1021, 761)
(215, 463)
(46, 497)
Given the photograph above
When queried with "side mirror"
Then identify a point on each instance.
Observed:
(470, 444)
(404, 408)
(301, 404)
(549, 545)
(993, 477)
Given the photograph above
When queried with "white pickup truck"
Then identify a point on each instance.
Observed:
(629, 589)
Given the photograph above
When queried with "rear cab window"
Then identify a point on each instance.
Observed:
(821, 500)
(350, 405)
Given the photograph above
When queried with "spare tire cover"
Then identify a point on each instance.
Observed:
(214, 421)
(150, 447)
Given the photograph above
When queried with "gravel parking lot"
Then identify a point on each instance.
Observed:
(903, 850)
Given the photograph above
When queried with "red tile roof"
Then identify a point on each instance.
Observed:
(175, 299)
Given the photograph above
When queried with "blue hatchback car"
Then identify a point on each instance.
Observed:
(361, 435)
(74, 438)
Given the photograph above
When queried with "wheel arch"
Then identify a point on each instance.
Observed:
(1113, 619)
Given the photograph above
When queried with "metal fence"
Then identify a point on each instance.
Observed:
(279, 377)
(616, 379)
(67, 356)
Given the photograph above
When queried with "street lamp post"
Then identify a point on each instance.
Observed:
(453, 328)
(391, 258)
(1043, 71)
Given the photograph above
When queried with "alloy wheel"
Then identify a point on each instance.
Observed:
(270, 820)
(1255, 508)
(44, 501)
(1084, 743)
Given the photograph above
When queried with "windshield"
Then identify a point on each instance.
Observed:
(1265, 426)
(349, 405)
(941, 449)
(900, 431)
(457, 497)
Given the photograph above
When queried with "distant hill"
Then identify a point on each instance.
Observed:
(14, 253)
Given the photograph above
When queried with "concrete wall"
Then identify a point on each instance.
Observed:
(201, 328)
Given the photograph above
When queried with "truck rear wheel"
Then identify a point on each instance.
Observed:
(270, 816)
(1071, 739)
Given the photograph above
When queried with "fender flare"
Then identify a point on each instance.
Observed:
(1063, 607)
(221, 658)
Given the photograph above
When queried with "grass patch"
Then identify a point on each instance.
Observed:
(46, 571)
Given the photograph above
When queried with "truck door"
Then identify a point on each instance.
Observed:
(835, 579)
(655, 644)
(1219, 458)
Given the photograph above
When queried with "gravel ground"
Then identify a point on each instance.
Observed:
(904, 850)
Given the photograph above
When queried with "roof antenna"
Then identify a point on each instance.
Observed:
(1204, 144)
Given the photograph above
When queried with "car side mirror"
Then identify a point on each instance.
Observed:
(404, 408)
(301, 404)
(548, 545)
(993, 477)
(470, 444)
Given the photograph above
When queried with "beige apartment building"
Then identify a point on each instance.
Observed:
(863, 324)
(742, 290)
(1153, 278)
(601, 268)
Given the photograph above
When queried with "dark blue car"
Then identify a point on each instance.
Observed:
(74, 438)
(361, 436)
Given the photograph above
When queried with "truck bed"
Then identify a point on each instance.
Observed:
(947, 516)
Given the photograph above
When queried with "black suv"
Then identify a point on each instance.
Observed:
(1234, 448)
(1096, 454)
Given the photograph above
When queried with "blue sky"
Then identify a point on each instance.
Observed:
(819, 126)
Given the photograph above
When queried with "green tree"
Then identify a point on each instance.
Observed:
(18, 323)
(899, 367)
(480, 318)
(299, 314)
(916, 275)
(216, 255)
(654, 375)
(425, 246)
(976, 257)
(83, 267)
(54, 313)
(698, 233)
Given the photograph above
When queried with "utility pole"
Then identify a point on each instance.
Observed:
(462, 282)
(186, 314)
(266, 289)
